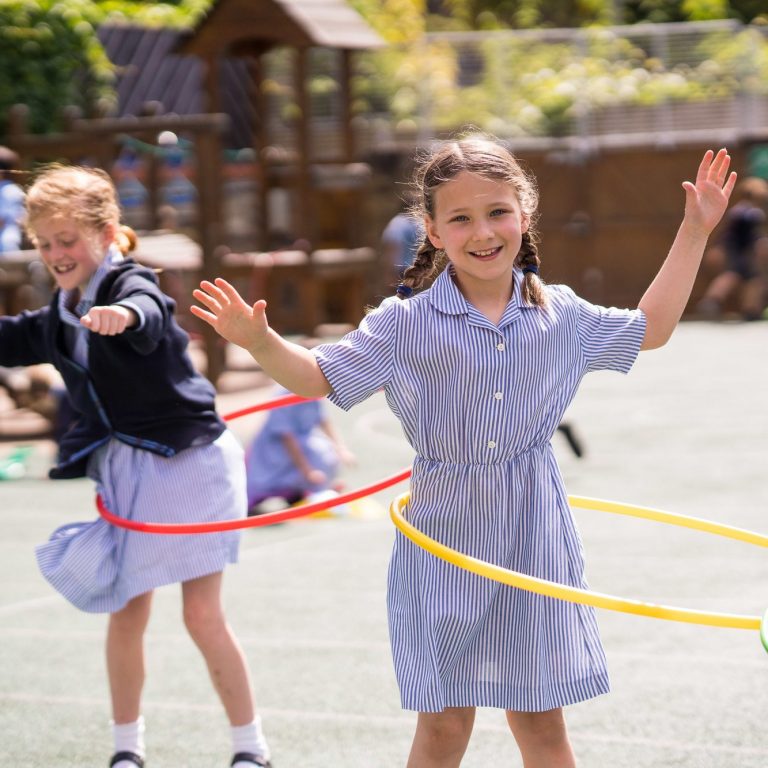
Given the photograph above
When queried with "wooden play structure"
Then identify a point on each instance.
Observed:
(325, 190)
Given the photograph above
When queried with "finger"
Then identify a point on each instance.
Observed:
(203, 315)
(229, 290)
(214, 291)
(730, 184)
(207, 299)
(704, 166)
(720, 167)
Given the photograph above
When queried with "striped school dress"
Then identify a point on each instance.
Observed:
(479, 403)
(99, 567)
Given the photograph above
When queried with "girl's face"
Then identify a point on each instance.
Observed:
(71, 253)
(479, 225)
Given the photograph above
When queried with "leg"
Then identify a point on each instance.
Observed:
(205, 622)
(441, 738)
(125, 657)
(753, 298)
(542, 738)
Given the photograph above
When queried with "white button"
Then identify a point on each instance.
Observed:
(500, 346)
(491, 443)
(498, 395)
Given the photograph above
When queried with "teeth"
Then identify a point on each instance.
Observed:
(484, 253)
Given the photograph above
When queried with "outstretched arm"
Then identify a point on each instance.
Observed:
(229, 315)
(705, 204)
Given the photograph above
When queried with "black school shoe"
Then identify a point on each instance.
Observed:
(131, 757)
(250, 757)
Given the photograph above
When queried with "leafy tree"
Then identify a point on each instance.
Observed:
(50, 58)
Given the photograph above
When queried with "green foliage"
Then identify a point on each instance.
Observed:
(50, 58)
(515, 86)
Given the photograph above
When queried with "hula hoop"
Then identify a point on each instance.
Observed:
(250, 522)
(587, 597)
(253, 522)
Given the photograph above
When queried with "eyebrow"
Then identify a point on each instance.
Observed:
(496, 204)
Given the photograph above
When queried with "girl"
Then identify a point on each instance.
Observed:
(147, 433)
(296, 454)
(479, 369)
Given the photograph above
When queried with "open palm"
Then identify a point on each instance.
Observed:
(229, 314)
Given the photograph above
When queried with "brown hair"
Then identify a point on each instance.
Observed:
(85, 195)
(487, 158)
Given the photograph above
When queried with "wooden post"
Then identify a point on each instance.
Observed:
(260, 118)
(303, 213)
(345, 116)
(208, 161)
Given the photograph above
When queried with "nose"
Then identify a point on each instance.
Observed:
(482, 230)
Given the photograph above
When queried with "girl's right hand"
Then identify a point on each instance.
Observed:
(229, 314)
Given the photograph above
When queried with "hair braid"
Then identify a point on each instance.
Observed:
(533, 287)
(428, 262)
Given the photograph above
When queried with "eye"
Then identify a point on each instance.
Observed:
(460, 218)
(67, 243)
(499, 212)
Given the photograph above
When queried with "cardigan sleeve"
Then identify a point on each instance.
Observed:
(23, 338)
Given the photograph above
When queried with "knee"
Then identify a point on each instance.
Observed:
(544, 731)
(449, 729)
(202, 618)
(134, 616)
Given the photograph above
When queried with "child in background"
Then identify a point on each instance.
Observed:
(479, 369)
(146, 431)
(11, 202)
(295, 454)
(742, 254)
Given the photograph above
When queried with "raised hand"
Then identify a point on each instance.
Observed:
(229, 314)
(109, 321)
(707, 199)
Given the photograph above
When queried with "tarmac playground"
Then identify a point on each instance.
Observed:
(686, 431)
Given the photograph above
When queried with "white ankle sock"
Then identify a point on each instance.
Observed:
(249, 738)
(129, 737)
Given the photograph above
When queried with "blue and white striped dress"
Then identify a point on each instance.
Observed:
(479, 403)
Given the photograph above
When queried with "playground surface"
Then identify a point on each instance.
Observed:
(686, 431)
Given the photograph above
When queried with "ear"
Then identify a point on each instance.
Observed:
(107, 236)
(430, 229)
(525, 222)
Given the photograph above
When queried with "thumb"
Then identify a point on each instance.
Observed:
(691, 193)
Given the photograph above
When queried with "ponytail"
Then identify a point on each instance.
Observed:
(126, 239)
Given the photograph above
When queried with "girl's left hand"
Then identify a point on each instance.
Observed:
(109, 321)
(707, 199)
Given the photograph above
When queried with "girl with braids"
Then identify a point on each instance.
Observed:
(479, 368)
(146, 431)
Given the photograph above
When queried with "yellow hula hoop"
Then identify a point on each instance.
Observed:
(583, 596)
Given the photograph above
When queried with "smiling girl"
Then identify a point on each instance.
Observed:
(479, 368)
(148, 434)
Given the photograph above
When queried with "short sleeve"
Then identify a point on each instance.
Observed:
(610, 338)
(361, 362)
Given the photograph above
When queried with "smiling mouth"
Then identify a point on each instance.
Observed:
(63, 269)
(487, 253)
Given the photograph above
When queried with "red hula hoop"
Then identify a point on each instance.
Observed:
(253, 522)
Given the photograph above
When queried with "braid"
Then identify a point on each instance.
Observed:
(533, 287)
(428, 262)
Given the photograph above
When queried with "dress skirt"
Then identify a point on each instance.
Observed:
(99, 567)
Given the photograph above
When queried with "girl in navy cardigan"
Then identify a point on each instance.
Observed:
(148, 434)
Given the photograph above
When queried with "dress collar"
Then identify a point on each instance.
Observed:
(445, 296)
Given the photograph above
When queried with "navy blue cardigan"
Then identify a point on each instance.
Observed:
(140, 386)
